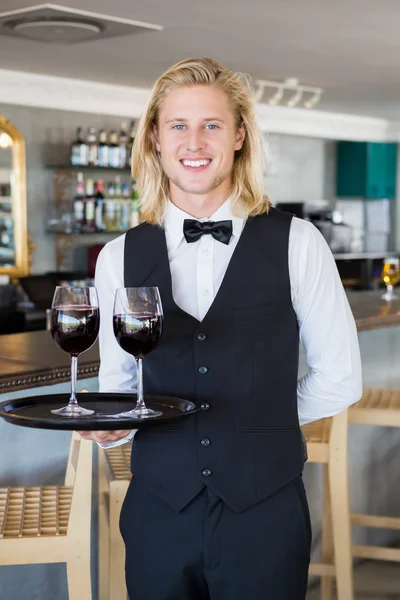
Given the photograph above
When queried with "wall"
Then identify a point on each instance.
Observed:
(302, 169)
(48, 134)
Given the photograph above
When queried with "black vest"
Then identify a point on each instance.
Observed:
(240, 364)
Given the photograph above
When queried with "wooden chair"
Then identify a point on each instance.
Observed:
(327, 443)
(114, 478)
(377, 407)
(51, 524)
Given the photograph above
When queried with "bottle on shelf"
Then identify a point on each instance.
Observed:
(114, 150)
(99, 207)
(109, 215)
(135, 213)
(123, 145)
(103, 151)
(118, 204)
(125, 207)
(79, 150)
(90, 224)
(132, 134)
(79, 204)
(92, 147)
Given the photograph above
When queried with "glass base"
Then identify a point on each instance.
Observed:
(73, 410)
(389, 296)
(141, 413)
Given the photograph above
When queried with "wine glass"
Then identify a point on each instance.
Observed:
(75, 321)
(390, 276)
(138, 324)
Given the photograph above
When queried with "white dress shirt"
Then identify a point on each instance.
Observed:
(326, 324)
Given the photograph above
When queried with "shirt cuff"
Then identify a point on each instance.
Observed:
(124, 440)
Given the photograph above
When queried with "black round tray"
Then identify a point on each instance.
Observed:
(35, 411)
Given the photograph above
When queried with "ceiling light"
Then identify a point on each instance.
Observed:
(311, 102)
(292, 85)
(295, 99)
(277, 97)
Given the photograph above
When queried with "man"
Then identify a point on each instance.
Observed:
(216, 508)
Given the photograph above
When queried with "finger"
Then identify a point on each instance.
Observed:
(104, 436)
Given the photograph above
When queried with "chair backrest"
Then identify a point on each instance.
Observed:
(79, 477)
(73, 456)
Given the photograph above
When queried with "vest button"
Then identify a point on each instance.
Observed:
(205, 406)
(206, 472)
(203, 370)
(205, 442)
(201, 337)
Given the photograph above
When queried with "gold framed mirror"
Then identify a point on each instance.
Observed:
(14, 260)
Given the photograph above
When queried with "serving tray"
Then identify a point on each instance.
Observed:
(35, 411)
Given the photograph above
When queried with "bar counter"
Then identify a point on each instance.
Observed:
(30, 360)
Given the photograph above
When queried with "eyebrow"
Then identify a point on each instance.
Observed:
(181, 120)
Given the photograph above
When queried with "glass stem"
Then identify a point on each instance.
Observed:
(140, 400)
(390, 290)
(74, 373)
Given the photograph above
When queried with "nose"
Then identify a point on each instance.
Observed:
(195, 141)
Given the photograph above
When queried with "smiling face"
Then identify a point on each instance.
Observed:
(197, 137)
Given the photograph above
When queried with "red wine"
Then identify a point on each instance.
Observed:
(138, 334)
(75, 328)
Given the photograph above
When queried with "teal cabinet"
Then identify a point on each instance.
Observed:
(366, 169)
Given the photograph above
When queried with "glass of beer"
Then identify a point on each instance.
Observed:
(390, 276)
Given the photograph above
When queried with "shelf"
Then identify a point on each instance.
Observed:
(83, 168)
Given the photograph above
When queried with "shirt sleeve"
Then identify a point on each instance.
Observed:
(326, 326)
(117, 368)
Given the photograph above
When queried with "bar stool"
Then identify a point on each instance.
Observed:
(114, 478)
(51, 524)
(327, 443)
(376, 407)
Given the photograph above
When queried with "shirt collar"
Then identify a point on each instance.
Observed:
(174, 217)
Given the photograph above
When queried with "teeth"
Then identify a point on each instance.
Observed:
(196, 163)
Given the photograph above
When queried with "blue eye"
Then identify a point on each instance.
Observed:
(179, 126)
(212, 126)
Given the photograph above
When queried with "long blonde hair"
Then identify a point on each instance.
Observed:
(249, 164)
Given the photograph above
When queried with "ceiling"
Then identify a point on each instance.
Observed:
(349, 47)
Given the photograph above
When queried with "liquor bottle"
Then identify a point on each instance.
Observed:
(135, 214)
(99, 207)
(103, 150)
(114, 150)
(123, 146)
(109, 215)
(92, 147)
(79, 204)
(90, 225)
(118, 204)
(132, 135)
(79, 150)
(126, 209)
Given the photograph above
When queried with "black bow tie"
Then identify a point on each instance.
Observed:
(220, 230)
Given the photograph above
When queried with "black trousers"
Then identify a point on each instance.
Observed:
(208, 552)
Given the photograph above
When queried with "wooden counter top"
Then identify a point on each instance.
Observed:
(31, 359)
(371, 312)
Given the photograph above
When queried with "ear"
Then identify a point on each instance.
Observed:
(240, 136)
(156, 138)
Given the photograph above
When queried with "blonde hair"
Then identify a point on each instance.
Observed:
(249, 164)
